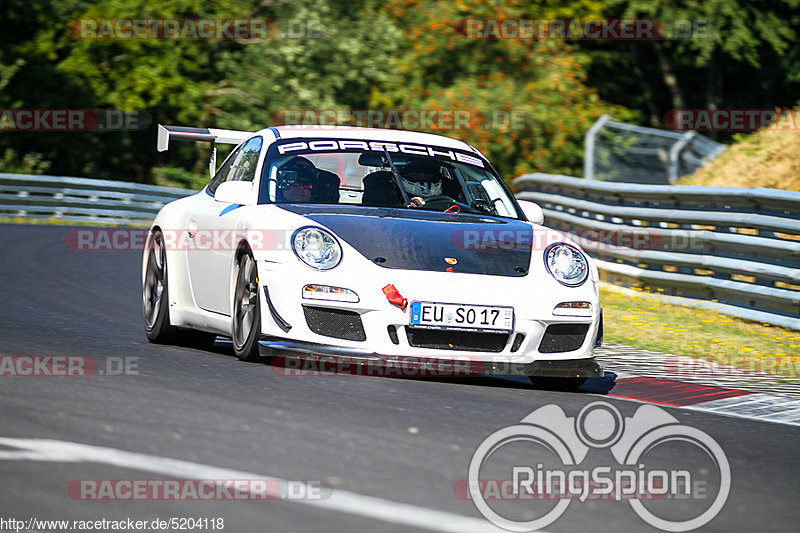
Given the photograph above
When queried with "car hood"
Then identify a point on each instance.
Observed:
(428, 240)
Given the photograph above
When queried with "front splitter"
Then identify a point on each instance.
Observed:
(333, 357)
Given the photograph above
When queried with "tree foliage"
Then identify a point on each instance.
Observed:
(529, 101)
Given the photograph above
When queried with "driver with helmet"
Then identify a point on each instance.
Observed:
(421, 179)
(296, 180)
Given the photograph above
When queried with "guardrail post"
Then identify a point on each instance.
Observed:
(588, 154)
(674, 154)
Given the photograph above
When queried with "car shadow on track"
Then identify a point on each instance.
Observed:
(600, 385)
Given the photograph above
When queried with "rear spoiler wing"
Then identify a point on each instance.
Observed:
(211, 135)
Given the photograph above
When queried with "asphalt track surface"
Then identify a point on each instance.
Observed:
(387, 450)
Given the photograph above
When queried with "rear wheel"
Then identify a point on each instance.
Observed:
(246, 311)
(155, 302)
(155, 298)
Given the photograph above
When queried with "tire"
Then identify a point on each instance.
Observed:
(246, 314)
(559, 384)
(155, 296)
(155, 302)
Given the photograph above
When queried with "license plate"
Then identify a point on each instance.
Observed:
(458, 316)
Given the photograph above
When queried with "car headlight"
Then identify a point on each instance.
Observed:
(566, 263)
(316, 247)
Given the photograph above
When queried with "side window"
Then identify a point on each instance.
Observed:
(224, 170)
(245, 165)
(240, 165)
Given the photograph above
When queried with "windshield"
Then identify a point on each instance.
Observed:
(382, 174)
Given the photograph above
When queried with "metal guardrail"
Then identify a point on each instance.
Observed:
(82, 199)
(737, 249)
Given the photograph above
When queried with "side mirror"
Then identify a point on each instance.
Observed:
(532, 211)
(235, 192)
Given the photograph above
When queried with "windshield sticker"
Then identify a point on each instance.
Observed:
(329, 145)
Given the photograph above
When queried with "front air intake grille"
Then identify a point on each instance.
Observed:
(563, 338)
(336, 323)
(517, 342)
(470, 341)
(393, 334)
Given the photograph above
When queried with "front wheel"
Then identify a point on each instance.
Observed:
(246, 311)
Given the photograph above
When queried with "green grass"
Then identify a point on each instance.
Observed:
(765, 158)
(643, 321)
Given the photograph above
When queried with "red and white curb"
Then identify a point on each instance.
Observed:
(706, 398)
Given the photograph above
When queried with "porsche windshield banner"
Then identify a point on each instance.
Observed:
(336, 145)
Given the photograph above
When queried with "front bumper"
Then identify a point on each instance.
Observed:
(541, 342)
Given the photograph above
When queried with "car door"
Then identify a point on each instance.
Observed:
(211, 229)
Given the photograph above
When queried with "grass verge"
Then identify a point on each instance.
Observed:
(766, 158)
(651, 324)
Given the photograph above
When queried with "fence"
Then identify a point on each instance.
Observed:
(82, 199)
(615, 151)
(737, 249)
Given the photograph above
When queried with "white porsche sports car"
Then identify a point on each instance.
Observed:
(372, 245)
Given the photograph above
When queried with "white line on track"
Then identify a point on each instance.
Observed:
(340, 500)
(763, 407)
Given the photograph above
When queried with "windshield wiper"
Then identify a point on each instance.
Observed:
(396, 174)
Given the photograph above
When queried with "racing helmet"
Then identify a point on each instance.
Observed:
(297, 172)
(421, 178)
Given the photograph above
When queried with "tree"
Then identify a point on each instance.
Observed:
(528, 102)
(739, 54)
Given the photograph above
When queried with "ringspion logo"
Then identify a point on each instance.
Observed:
(523, 477)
